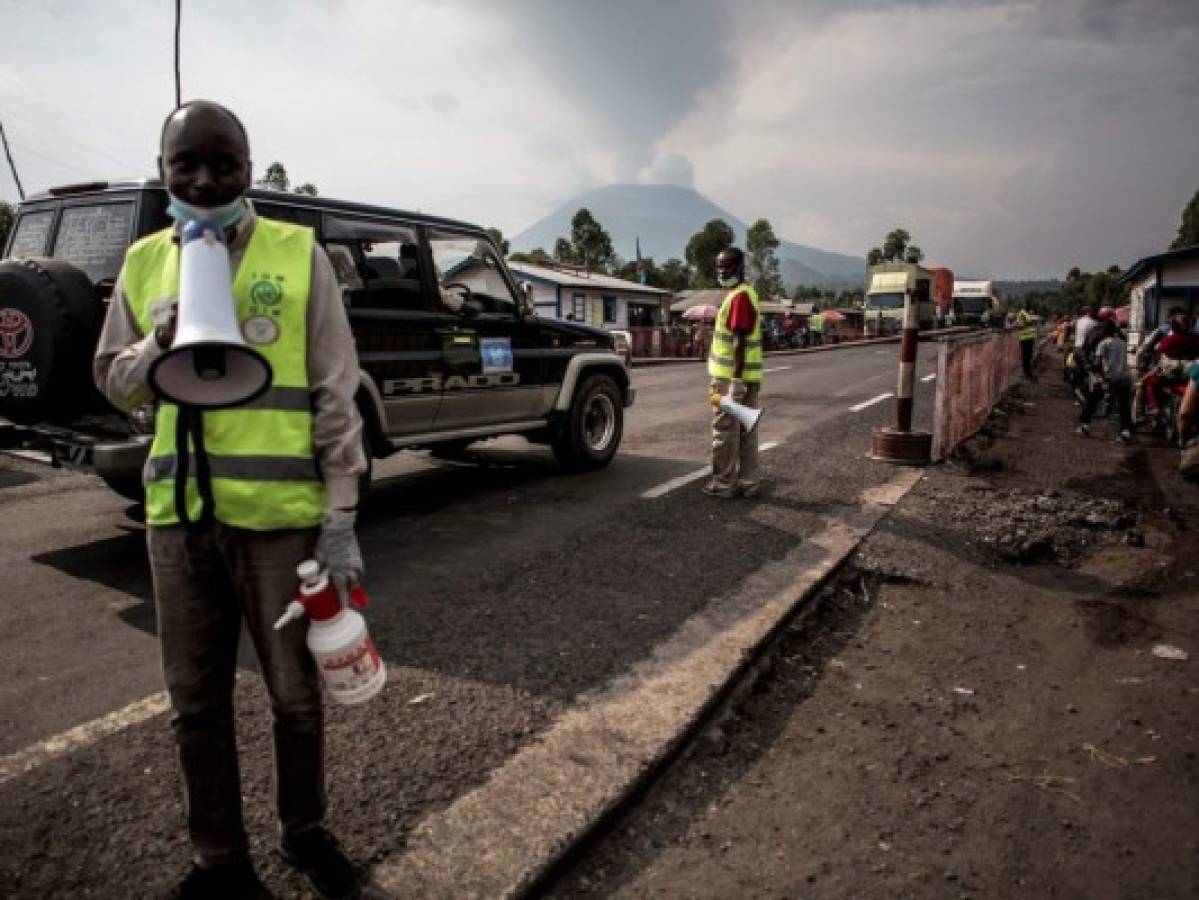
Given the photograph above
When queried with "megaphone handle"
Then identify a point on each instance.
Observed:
(189, 420)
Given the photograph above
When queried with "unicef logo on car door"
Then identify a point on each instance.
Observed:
(16, 333)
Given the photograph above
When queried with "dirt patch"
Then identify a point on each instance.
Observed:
(963, 717)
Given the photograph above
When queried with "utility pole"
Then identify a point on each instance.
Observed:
(11, 164)
(178, 16)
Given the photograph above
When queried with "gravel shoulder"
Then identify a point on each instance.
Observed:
(975, 709)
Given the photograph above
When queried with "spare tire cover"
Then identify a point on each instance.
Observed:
(50, 318)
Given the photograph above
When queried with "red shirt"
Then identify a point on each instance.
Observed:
(741, 314)
(1179, 346)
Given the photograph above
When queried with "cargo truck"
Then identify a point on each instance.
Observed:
(886, 285)
(974, 302)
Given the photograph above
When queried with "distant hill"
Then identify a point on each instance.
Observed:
(665, 217)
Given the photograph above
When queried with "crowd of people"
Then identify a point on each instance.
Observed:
(1160, 390)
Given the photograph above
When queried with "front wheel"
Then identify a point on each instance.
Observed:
(591, 430)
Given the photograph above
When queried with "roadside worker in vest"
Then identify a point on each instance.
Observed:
(735, 366)
(816, 324)
(284, 483)
(1027, 323)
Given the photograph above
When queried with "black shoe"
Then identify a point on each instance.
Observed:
(316, 854)
(232, 881)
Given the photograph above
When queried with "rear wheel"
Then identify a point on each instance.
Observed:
(591, 430)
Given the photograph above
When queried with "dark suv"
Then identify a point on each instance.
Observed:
(450, 349)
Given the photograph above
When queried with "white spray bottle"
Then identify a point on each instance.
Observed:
(350, 666)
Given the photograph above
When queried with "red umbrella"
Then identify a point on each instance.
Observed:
(831, 315)
(705, 312)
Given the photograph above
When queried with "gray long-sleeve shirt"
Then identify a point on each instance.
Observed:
(124, 355)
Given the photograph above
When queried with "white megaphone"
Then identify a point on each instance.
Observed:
(209, 365)
(746, 415)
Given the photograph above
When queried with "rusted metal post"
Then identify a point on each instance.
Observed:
(901, 444)
(907, 365)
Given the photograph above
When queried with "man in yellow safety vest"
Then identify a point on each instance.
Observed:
(735, 367)
(816, 326)
(280, 486)
(1026, 321)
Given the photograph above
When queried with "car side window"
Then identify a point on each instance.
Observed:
(378, 266)
(94, 238)
(32, 231)
(469, 274)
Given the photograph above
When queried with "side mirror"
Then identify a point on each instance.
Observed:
(528, 302)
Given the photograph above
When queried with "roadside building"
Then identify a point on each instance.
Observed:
(602, 300)
(1157, 283)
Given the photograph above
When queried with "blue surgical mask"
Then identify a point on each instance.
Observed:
(225, 216)
(730, 281)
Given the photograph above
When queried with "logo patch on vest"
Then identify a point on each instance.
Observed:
(260, 330)
(266, 290)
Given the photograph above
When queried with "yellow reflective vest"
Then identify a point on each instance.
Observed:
(816, 322)
(261, 455)
(720, 357)
(1027, 323)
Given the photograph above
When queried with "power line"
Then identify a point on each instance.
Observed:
(12, 165)
(178, 17)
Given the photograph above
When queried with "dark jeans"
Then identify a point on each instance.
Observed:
(1122, 392)
(204, 586)
(1026, 348)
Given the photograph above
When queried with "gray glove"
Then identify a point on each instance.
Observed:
(738, 389)
(337, 549)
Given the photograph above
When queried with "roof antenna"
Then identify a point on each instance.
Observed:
(11, 164)
(178, 16)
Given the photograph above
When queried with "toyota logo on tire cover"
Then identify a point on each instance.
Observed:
(16, 333)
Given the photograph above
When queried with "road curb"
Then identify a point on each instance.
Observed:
(508, 835)
(652, 361)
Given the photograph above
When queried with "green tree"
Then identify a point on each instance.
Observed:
(8, 215)
(894, 245)
(591, 244)
(537, 256)
(763, 263)
(500, 241)
(702, 250)
(1188, 230)
(564, 251)
(913, 255)
(674, 275)
(275, 178)
(874, 257)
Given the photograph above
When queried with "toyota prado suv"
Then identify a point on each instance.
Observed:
(450, 350)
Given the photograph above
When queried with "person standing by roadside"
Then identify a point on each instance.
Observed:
(1082, 330)
(1111, 369)
(1027, 323)
(816, 328)
(286, 488)
(735, 367)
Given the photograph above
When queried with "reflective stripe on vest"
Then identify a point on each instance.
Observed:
(720, 358)
(264, 470)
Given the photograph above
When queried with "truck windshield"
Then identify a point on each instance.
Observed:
(884, 301)
(972, 304)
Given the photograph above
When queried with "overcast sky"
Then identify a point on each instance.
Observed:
(1010, 138)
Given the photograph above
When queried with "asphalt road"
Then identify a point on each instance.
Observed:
(501, 590)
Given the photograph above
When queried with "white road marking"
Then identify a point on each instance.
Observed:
(929, 377)
(777, 369)
(667, 486)
(879, 399)
(31, 757)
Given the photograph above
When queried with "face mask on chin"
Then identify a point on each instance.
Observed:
(729, 281)
(224, 216)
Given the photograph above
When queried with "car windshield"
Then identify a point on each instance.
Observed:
(971, 304)
(884, 301)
